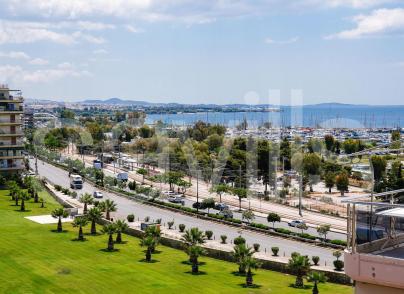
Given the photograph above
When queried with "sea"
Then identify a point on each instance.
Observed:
(337, 116)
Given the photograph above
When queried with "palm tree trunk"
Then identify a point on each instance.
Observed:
(16, 201)
(241, 269)
(107, 215)
(329, 190)
(118, 237)
(85, 208)
(148, 255)
(36, 198)
(315, 288)
(249, 278)
(81, 237)
(93, 228)
(60, 224)
(110, 243)
(195, 266)
(22, 208)
(299, 281)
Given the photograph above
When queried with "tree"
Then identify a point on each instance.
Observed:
(329, 180)
(150, 243)
(329, 142)
(86, 198)
(59, 213)
(220, 189)
(171, 178)
(13, 189)
(208, 203)
(379, 164)
(109, 229)
(323, 230)
(316, 277)
(120, 226)
(300, 265)
(311, 167)
(342, 182)
(184, 185)
(350, 146)
(240, 253)
(248, 215)
(80, 222)
(302, 227)
(155, 233)
(99, 177)
(250, 263)
(34, 186)
(143, 172)
(272, 218)
(193, 236)
(285, 153)
(23, 196)
(107, 206)
(94, 215)
(194, 252)
(240, 193)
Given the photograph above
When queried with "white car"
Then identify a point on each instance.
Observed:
(295, 223)
(97, 194)
(169, 193)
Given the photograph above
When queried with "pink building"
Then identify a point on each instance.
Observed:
(374, 258)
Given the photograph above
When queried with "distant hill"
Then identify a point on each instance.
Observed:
(117, 101)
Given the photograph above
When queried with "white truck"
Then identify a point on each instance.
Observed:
(76, 182)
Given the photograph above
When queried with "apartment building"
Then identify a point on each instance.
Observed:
(11, 134)
(374, 258)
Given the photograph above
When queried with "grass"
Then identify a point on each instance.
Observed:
(33, 259)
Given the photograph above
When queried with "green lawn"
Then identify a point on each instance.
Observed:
(33, 259)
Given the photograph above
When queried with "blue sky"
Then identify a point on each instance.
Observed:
(205, 51)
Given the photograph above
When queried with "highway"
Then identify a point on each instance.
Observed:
(125, 206)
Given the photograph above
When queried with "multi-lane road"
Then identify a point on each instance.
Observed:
(126, 206)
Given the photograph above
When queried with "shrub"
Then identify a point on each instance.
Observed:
(158, 221)
(315, 260)
(294, 254)
(223, 238)
(132, 185)
(74, 194)
(170, 224)
(239, 240)
(337, 254)
(275, 251)
(339, 265)
(209, 234)
(259, 226)
(338, 242)
(130, 218)
(181, 227)
(147, 219)
(283, 231)
(307, 236)
(256, 247)
(58, 187)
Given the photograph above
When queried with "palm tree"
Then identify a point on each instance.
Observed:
(150, 243)
(300, 265)
(94, 214)
(86, 198)
(194, 251)
(59, 213)
(80, 222)
(23, 195)
(34, 186)
(316, 277)
(107, 206)
(250, 263)
(121, 226)
(109, 229)
(13, 188)
(241, 253)
(155, 233)
(194, 236)
(16, 195)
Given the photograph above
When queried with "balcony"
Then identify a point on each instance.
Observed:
(10, 109)
(375, 252)
(15, 99)
(11, 167)
(9, 144)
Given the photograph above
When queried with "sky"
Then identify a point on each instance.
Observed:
(205, 51)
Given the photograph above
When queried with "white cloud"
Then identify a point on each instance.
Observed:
(378, 23)
(282, 42)
(100, 51)
(38, 61)
(358, 4)
(15, 55)
(133, 29)
(17, 74)
(29, 32)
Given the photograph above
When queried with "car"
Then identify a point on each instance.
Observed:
(226, 213)
(221, 206)
(169, 193)
(97, 194)
(295, 223)
(176, 199)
